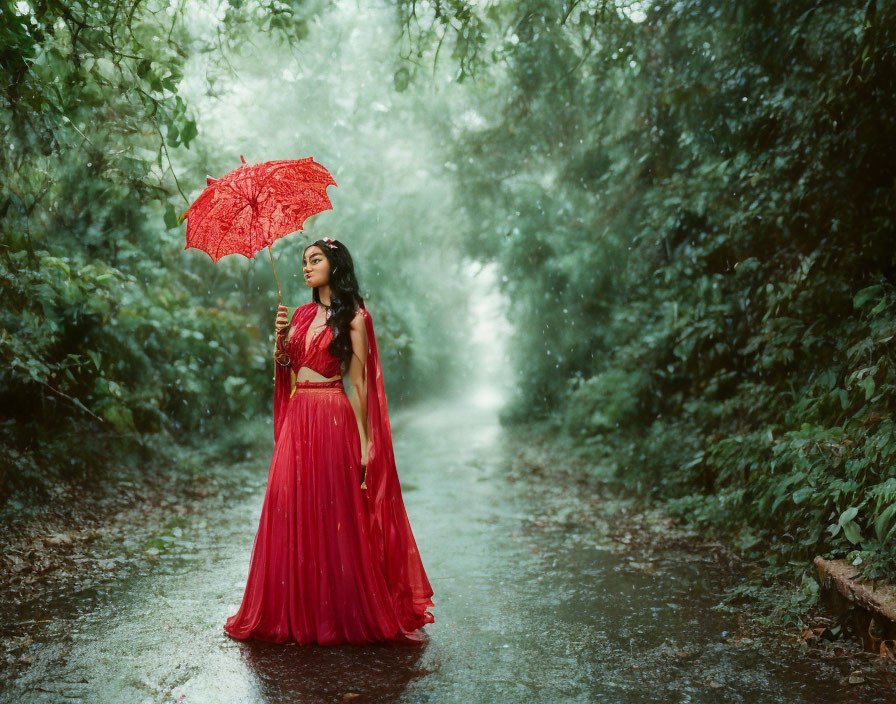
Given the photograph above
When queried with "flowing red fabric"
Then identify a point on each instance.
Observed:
(331, 562)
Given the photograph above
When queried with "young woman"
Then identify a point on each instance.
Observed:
(334, 559)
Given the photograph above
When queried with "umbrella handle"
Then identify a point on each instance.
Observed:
(279, 295)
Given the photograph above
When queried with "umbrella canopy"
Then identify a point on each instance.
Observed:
(250, 207)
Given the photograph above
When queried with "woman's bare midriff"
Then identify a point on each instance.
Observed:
(308, 374)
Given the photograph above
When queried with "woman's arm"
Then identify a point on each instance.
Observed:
(357, 374)
(282, 371)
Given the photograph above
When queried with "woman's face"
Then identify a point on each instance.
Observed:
(315, 267)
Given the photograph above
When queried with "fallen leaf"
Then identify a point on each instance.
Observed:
(58, 539)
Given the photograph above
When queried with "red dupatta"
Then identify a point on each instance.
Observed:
(390, 530)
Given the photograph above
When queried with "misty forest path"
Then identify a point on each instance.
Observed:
(531, 605)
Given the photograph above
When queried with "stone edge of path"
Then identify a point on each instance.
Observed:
(841, 574)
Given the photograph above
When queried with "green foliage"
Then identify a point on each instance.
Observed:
(120, 350)
(605, 401)
(96, 363)
(87, 94)
(694, 214)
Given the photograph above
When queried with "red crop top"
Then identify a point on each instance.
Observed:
(317, 357)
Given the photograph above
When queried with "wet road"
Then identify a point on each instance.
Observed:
(531, 606)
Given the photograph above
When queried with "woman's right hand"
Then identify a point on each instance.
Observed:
(282, 322)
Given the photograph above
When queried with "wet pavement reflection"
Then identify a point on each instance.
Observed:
(531, 605)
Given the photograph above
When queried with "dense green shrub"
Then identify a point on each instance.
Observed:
(693, 211)
(118, 347)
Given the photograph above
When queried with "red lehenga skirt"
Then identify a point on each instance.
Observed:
(313, 573)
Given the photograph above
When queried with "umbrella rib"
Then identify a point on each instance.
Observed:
(201, 219)
(233, 189)
(213, 186)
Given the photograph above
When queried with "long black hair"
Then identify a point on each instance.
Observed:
(344, 297)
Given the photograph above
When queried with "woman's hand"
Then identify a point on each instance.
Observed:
(364, 459)
(282, 322)
(365, 450)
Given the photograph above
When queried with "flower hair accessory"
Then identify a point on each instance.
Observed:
(330, 242)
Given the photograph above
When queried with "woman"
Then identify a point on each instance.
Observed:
(334, 559)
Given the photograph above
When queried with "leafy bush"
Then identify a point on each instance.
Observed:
(698, 220)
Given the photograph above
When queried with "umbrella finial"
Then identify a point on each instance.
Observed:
(241, 159)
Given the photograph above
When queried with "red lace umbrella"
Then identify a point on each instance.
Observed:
(248, 208)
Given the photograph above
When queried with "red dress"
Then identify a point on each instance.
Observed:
(331, 562)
